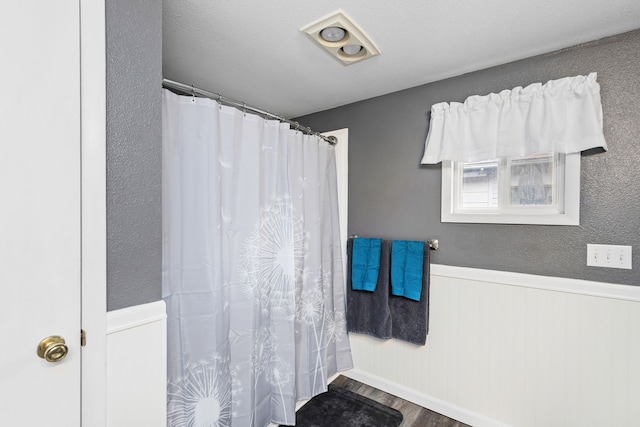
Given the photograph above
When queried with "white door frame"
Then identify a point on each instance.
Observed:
(93, 210)
(342, 172)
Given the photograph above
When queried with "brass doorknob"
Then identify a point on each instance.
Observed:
(53, 349)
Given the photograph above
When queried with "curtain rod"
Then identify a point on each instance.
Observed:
(189, 89)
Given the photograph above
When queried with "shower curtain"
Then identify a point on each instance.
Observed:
(252, 268)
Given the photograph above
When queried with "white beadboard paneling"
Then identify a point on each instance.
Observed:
(520, 353)
(136, 366)
(437, 338)
(632, 383)
(554, 284)
(473, 353)
(514, 349)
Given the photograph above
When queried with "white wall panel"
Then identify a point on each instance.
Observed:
(137, 366)
(633, 385)
(515, 349)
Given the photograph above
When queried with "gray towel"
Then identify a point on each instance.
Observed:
(368, 312)
(410, 319)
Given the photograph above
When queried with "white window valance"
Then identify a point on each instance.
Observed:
(563, 116)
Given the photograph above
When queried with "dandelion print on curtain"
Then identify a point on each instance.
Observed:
(252, 268)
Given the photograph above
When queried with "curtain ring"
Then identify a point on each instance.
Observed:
(193, 94)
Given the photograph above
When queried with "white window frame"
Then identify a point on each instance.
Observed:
(568, 193)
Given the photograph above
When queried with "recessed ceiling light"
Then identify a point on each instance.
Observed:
(333, 34)
(342, 38)
(351, 49)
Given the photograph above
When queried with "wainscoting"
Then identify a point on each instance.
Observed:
(136, 366)
(507, 349)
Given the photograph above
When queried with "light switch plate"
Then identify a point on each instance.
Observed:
(610, 256)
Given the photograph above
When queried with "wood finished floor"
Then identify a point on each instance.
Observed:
(413, 415)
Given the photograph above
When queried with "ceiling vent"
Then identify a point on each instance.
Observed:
(341, 38)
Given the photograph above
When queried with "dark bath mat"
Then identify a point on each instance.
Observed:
(340, 407)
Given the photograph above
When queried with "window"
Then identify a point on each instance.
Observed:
(543, 188)
(538, 121)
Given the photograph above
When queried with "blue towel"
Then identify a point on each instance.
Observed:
(406, 268)
(365, 263)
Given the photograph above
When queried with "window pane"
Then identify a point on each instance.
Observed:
(541, 189)
(480, 184)
(532, 180)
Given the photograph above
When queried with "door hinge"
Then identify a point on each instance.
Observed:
(83, 338)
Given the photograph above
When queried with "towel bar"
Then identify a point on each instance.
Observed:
(433, 243)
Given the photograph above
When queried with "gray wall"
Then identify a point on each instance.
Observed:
(134, 132)
(392, 196)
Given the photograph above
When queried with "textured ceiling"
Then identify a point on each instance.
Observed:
(254, 52)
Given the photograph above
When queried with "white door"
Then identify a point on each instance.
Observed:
(39, 211)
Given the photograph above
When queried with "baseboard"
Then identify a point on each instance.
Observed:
(432, 403)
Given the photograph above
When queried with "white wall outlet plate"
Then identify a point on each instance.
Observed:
(611, 256)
